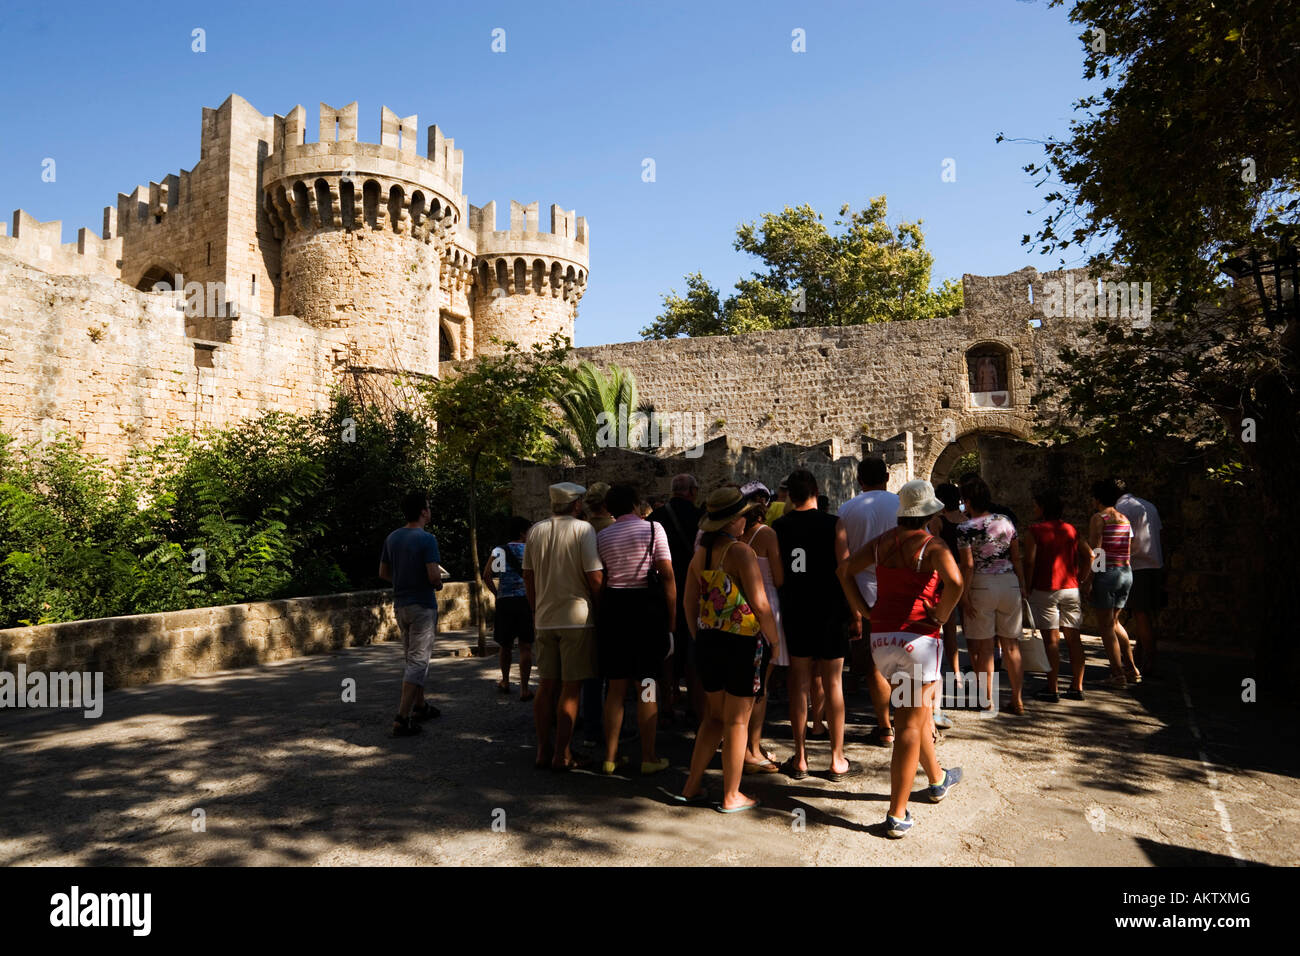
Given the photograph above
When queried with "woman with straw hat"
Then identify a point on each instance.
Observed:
(907, 637)
(729, 616)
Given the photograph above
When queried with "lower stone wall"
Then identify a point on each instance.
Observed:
(1210, 535)
(143, 648)
(720, 460)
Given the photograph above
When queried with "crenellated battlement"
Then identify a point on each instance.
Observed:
(396, 154)
(567, 236)
(375, 238)
(41, 243)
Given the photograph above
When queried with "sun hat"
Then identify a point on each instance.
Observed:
(723, 507)
(595, 496)
(565, 492)
(916, 500)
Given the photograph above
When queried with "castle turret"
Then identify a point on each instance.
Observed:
(527, 283)
(363, 231)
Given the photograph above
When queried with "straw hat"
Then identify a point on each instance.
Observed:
(916, 500)
(723, 507)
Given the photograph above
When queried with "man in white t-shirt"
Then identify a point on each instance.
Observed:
(562, 573)
(1147, 561)
(863, 517)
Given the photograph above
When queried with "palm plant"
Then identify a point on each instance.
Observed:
(587, 393)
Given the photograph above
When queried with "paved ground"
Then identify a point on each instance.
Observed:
(286, 773)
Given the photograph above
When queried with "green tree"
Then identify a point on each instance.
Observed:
(494, 410)
(862, 271)
(1185, 158)
(591, 400)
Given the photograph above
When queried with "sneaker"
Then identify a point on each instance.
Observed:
(951, 778)
(404, 727)
(942, 721)
(1050, 696)
(1074, 695)
(895, 828)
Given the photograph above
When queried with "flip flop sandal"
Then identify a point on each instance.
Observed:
(503, 688)
(523, 699)
(767, 766)
(878, 737)
(748, 806)
(854, 770)
(579, 763)
(818, 735)
(701, 799)
(791, 770)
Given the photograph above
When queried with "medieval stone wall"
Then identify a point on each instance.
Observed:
(301, 264)
(875, 381)
(115, 367)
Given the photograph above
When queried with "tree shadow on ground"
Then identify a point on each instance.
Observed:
(285, 771)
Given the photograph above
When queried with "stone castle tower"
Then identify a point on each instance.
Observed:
(368, 254)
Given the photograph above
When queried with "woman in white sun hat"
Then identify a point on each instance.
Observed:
(907, 637)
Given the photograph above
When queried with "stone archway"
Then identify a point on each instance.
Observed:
(951, 454)
(155, 274)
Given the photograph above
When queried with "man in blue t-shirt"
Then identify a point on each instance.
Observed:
(410, 562)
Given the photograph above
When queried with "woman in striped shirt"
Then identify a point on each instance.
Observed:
(1109, 536)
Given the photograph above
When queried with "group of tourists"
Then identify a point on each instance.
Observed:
(609, 596)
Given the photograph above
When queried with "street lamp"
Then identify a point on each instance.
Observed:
(1275, 281)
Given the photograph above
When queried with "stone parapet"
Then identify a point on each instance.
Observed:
(144, 648)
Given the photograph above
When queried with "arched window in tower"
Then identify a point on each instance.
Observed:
(446, 347)
(301, 206)
(348, 203)
(324, 204)
(987, 368)
(370, 203)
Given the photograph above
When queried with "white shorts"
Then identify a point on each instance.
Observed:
(904, 653)
(1054, 610)
(995, 602)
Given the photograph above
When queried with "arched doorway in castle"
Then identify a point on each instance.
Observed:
(1014, 468)
(993, 453)
(154, 275)
(449, 337)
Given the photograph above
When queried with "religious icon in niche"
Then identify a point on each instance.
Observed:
(987, 368)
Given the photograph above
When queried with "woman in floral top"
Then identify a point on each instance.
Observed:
(995, 583)
(729, 618)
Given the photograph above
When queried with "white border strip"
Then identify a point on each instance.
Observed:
(1224, 823)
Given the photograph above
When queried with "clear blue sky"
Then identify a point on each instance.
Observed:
(736, 122)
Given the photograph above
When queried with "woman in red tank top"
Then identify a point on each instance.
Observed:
(906, 637)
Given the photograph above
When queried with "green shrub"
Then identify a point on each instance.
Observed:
(280, 506)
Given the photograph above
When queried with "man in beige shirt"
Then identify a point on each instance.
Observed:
(562, 574)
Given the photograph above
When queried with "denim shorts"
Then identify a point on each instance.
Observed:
(1110, 587)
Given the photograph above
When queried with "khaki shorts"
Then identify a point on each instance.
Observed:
(995, 608)
(565, 653)
(1054, 610)
(418, 625)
